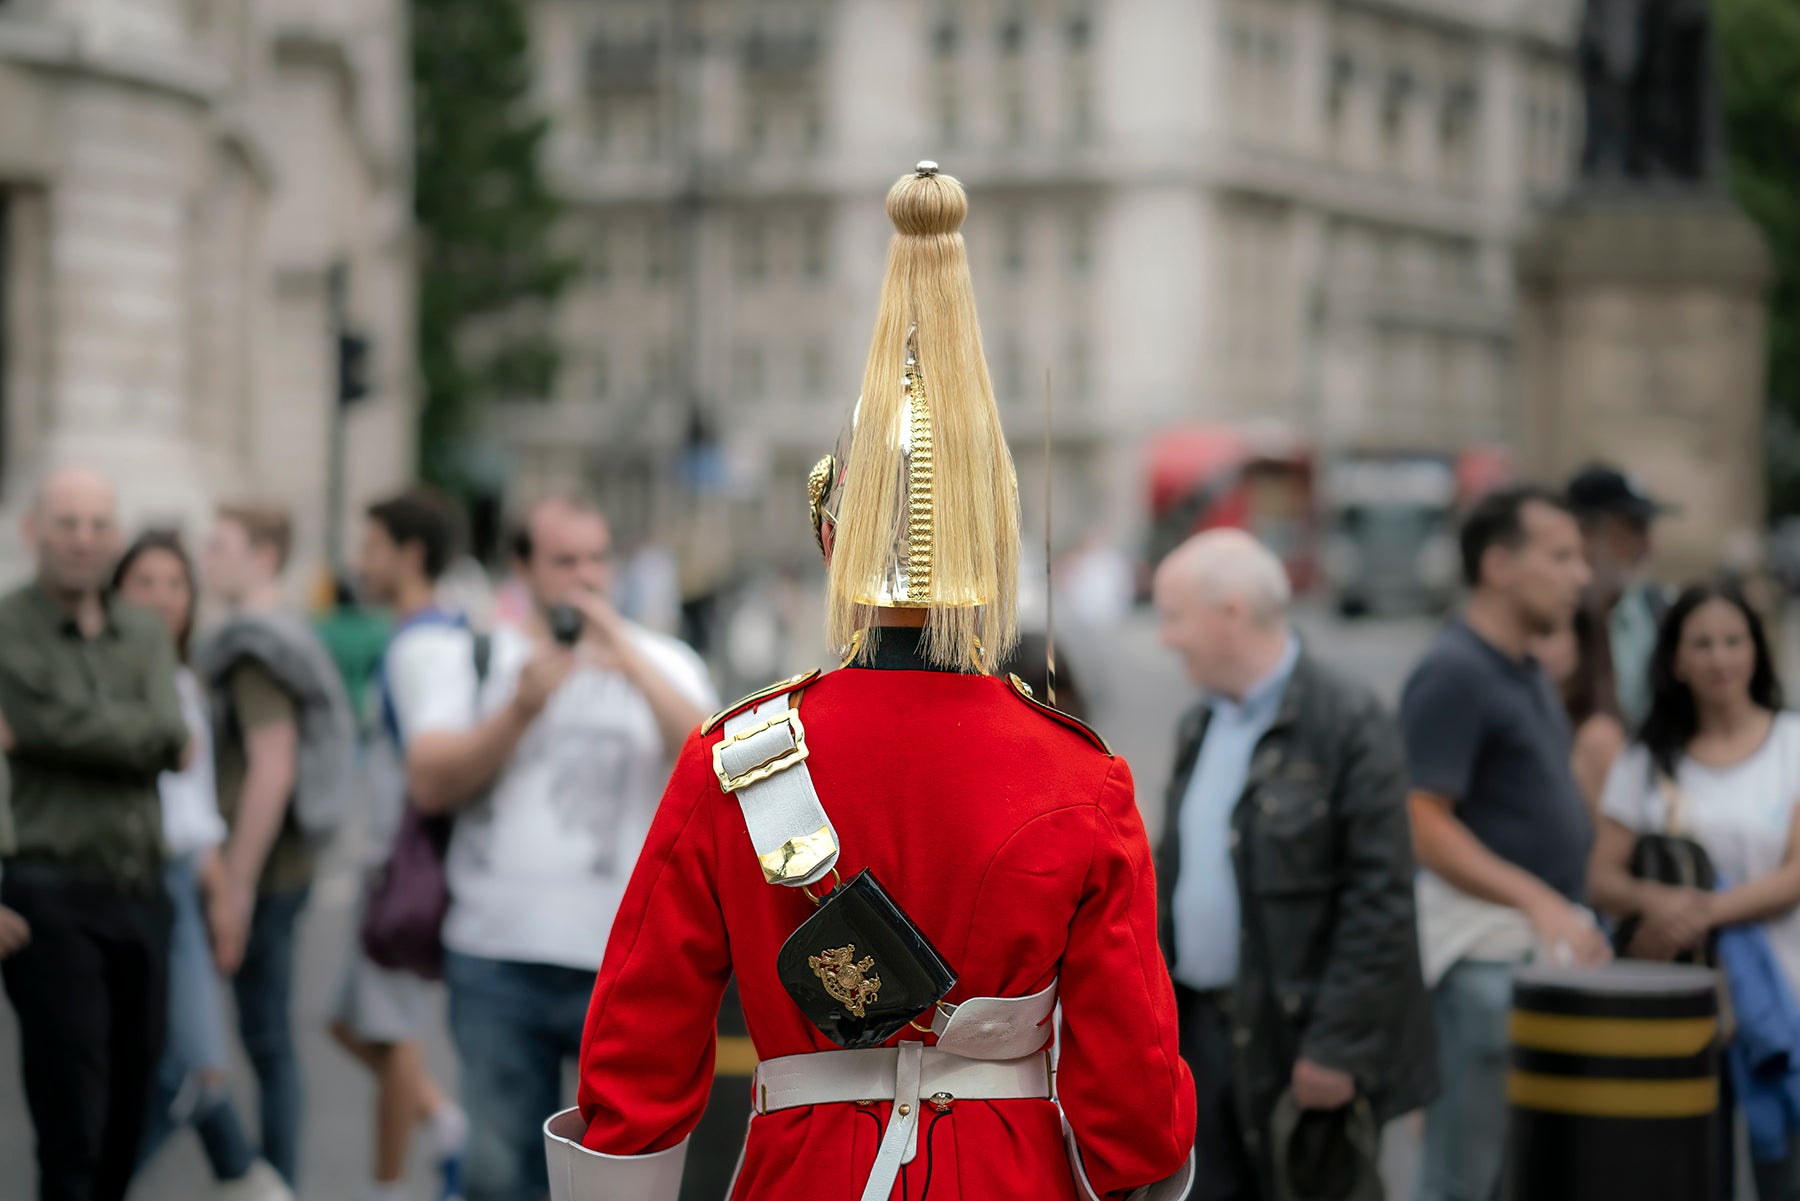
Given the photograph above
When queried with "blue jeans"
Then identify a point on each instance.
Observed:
(264, 987)
(514, 1025)
(195, 1040)
(1465, 1128)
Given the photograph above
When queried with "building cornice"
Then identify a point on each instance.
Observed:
(743, 178)
(53, 46)
(1468, 312)
(1647, 239)
(1377, 200)
(1522, 20)
(1215, 166)
(315, 45)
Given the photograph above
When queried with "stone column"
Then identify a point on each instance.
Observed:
(1643, 342)
(122, 269)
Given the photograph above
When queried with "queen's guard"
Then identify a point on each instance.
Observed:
(934, 890)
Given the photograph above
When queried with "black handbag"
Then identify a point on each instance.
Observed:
(1669, 857)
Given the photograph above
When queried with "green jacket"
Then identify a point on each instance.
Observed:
(94, 721)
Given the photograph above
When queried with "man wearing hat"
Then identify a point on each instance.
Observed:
(1617, 514)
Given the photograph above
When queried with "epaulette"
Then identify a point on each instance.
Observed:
(1024, 693)
(757, 697)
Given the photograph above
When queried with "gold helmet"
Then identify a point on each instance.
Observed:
(919, 507)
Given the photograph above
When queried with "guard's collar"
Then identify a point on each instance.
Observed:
(899, 648)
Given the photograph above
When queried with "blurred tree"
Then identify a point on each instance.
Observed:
(1759, 71)
(488, 269)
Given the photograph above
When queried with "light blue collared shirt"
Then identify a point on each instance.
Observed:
(1206, 900)
(1631, 632)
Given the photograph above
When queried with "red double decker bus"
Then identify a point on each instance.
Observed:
(1221, 477)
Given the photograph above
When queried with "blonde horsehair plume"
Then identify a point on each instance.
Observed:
(965, 559)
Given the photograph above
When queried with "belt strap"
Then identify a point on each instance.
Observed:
(906, 1075)
(762, 760)
(900, 1141)
(996, 1027)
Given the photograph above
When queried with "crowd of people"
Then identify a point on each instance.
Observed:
(1343, 892)
(1347, 894)
(173, 787)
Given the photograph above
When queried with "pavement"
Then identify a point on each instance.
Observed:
(1137, 693)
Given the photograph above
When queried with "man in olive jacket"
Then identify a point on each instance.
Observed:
(89, 718)
(1286, 874)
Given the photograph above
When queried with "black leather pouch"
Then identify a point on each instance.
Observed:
(859, 969)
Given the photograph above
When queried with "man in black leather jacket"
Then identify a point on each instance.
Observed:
(1285, 871)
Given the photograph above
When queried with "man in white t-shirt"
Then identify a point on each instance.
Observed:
(553, 766)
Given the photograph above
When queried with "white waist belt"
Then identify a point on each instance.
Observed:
(909, 1075)
(828, 1077)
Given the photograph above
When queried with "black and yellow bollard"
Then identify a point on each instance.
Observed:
(1614, 1088)
(712, 1156)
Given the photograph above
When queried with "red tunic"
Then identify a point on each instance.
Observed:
(1013, 840)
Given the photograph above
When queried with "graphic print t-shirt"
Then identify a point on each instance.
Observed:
(538, 865)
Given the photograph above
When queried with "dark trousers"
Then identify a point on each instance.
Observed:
(264, 990)
(515, 1025)
(91, 994)
(1777, 1180)
(1222, 1139)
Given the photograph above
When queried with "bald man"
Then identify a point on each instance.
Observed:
(1286, 876)
(89, 717)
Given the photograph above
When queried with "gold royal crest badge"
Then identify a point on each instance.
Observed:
(849, 980)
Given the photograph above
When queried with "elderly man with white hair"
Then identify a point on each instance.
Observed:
(1286, 874)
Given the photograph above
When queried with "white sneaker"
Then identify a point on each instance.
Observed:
(450, 1130)
(260, 1183)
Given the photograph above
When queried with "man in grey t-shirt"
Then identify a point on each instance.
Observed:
(1495, 808)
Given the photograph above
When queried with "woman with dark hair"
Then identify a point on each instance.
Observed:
(1579, 662)
(156, 574)
(1717, 760)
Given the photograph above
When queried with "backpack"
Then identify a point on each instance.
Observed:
(325, 770)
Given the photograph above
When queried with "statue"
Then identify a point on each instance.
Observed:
(1646, 72)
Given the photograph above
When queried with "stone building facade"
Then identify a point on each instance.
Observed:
(1300, 213)
(178, 180)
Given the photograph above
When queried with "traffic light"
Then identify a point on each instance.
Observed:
(353, 367)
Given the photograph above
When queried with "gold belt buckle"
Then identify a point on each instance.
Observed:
(769, 767)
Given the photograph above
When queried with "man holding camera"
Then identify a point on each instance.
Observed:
(553, 764)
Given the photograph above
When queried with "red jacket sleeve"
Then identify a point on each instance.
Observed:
(1128, 1096)
(647, 1052)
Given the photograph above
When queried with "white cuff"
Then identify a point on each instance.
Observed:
(577, 1174)
(1173, 1188)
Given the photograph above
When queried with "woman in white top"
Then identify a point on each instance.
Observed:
(156, 574)
(1718, 748)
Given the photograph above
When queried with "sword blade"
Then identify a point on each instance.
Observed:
(1049, 575)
